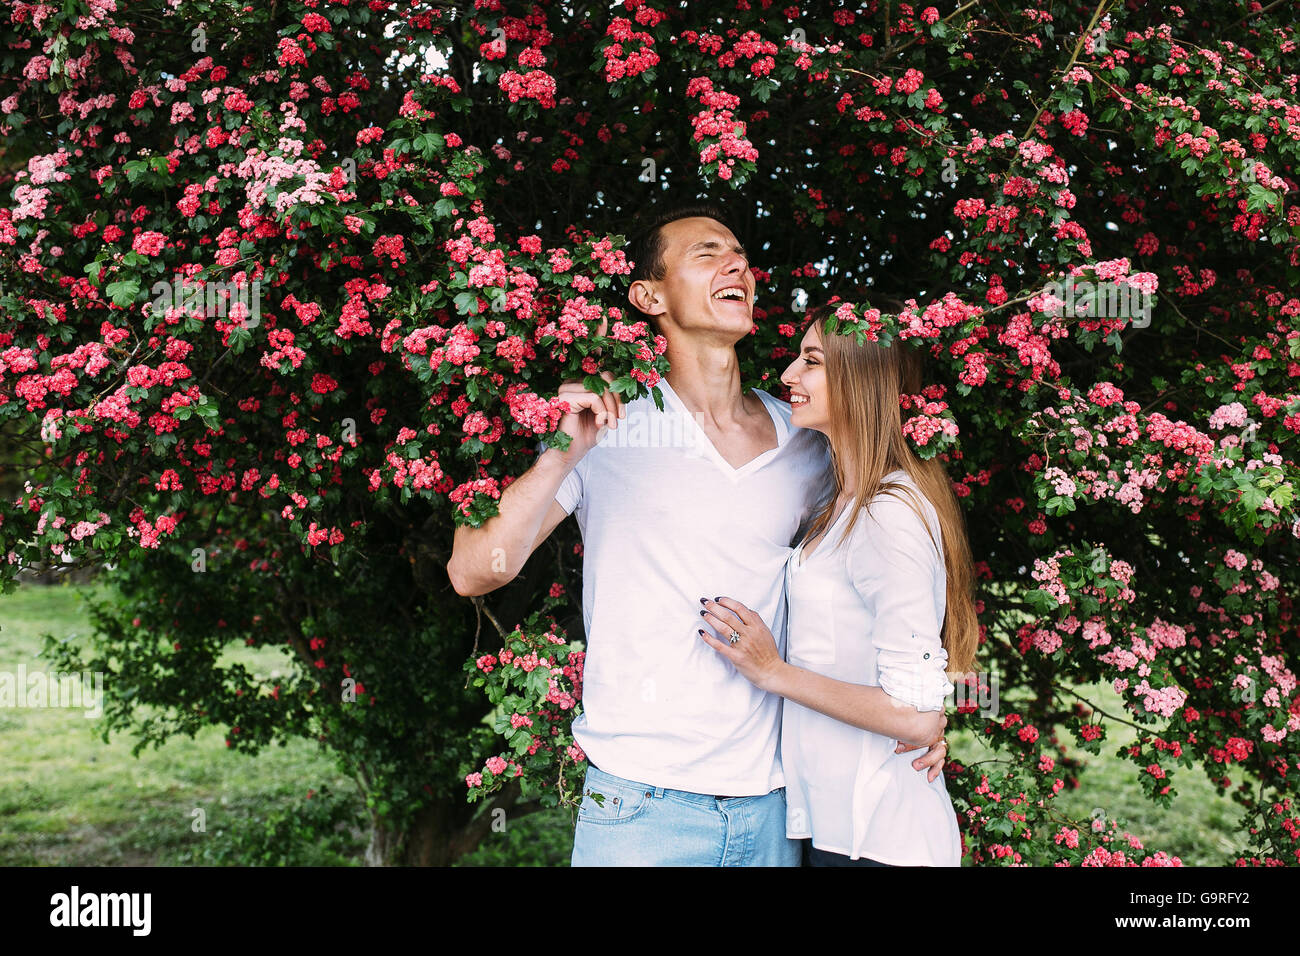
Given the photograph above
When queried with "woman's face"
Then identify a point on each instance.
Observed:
(806, 379)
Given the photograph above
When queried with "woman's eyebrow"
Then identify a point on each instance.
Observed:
(811, 348)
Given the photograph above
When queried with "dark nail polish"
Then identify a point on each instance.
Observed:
(703, 613)
(716, 599)
(704, 600)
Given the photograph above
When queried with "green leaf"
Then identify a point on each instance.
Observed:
(1258, 197)
(467, 303)
(134, 169)
(123, 292)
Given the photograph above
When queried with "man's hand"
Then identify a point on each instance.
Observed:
(589, 412)
(934, 757)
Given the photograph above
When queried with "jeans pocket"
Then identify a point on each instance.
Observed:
(608, 800)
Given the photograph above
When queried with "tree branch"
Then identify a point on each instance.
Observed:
(1078, 48)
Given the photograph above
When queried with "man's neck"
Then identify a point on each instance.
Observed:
(707, 379)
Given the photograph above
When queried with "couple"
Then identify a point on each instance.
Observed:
(708, 741)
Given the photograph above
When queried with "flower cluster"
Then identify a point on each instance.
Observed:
(930, 427)
(536, 682)
(630, 53)
(719, 136)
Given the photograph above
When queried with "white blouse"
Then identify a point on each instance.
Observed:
(869, 612)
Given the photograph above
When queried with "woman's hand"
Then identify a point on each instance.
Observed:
(935, 756)
(755, 653)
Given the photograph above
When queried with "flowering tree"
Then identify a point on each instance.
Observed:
(286, 291)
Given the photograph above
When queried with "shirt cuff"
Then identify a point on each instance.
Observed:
(915, 677)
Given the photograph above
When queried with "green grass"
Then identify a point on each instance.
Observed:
(67, 798)
(1199, 826)
(542, 838)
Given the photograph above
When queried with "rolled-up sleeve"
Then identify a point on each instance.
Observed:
(569, 494)
(897, 570)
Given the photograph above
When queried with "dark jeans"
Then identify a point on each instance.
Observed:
(815, 857)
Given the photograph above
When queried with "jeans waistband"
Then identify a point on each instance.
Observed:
(687, 795)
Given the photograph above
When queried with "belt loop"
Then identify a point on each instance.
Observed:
(659, 791)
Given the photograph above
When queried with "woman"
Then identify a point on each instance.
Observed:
(876, 617)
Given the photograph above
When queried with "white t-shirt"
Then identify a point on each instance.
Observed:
(665, 521)
(869, 612)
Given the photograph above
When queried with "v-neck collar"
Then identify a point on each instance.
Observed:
(735, 474)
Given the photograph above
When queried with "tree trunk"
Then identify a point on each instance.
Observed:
(427, 840)
(439, 834)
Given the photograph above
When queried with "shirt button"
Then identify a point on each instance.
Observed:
(927, 655)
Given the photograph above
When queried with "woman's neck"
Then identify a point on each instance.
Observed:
(848, 472)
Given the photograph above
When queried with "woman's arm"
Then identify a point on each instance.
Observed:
(858, 704)
(756, 657)
(896, 569)
(862, 705)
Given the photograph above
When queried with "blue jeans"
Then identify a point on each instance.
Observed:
(642, 825)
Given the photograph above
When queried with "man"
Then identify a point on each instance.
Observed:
(684, 767)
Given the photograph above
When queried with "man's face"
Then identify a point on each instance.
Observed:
(707, 283)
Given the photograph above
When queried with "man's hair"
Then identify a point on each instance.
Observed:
(645, 245)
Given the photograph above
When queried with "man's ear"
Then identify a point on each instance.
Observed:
(642, 294)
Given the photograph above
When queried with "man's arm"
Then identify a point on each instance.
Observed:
(486, 557)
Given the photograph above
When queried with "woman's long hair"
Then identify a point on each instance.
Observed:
(864, 383)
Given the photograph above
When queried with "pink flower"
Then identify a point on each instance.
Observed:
(149, 243)
(910, 83)
(1049, 642)
(536, 85)
(1069, 836)
(1233, 415)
